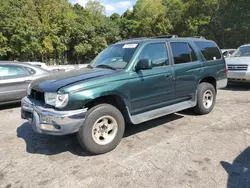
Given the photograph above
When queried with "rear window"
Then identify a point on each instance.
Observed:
(182, 53)
(209, 50)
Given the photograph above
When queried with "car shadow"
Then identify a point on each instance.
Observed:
(53, 145)
(9, 106)
(239, 171)
(238, 86)
(47, 144)
(134, 129)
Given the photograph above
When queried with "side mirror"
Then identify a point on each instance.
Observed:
(144, 64)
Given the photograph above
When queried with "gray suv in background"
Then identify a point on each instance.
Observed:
(239, 64)
(15, 78)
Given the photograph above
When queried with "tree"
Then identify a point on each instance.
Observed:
(56, 31)
(3, 45)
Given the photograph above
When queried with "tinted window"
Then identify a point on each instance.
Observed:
(182, 53)
(155, 52)
(209, 50)
(11, 71)
(193, 54)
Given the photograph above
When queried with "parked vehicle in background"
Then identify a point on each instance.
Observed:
(131, 81)
(60, 68)
(38, 64)
(15, 78)
(239, 64)
(227, 52)
(67, 68)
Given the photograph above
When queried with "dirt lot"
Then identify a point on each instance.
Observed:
(180, 150)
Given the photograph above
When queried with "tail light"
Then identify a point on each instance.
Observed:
(226, 70)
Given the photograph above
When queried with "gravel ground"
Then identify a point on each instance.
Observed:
(177, 151)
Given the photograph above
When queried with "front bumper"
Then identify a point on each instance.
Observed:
(239, 75)
(50, 121)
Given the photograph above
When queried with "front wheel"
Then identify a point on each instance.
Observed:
(102, 129)
(206, 98)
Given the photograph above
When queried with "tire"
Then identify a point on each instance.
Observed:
(94, 135)
(205, 107)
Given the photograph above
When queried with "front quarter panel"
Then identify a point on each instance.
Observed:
(81, 94)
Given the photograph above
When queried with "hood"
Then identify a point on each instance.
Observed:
(238, 60)
(55, 81)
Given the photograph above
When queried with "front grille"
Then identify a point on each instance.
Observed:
(237, 67)
(37, 95)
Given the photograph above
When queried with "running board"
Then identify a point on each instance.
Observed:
(153, 114)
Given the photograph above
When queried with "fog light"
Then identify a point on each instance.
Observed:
(49, 127)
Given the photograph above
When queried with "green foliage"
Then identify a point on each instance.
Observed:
(55, 30)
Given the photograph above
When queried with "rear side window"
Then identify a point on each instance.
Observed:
(209, 50)
(183, 53)
(30, 70)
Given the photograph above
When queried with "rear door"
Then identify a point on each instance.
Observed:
(188, 70)
(14, 80)
(214, 63)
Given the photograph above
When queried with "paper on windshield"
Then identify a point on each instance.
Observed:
(130, 46)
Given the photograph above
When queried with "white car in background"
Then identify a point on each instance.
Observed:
(39, 64)
(239, 64)
(55, 68)
(227, 52)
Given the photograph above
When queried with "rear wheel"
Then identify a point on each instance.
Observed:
(102, 129)
(206, 98)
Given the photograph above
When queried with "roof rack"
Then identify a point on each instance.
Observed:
(166, 36)
(139, 38)
(199, 37)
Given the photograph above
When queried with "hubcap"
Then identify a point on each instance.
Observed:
(104, 130)
(208, 99)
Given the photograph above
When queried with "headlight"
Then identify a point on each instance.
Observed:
(50, 98)
(62, 100)
(29, 89)
(57, 100)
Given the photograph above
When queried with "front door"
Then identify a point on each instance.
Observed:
(152, 88)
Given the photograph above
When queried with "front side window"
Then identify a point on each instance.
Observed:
(9, 71)
(116, 56)
(242, 51)
(209, 50)
(183, 53)
(157, 53)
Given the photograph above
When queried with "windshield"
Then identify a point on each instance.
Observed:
(242, 51)
(116, 56)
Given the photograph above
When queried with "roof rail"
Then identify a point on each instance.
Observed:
(167, 36)
(199, 37)
(139, 38)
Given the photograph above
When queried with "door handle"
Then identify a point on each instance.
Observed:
(199, 69)
(168, 75)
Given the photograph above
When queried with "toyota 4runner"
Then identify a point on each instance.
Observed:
(132, 81)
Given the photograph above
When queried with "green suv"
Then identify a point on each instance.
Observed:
(132, 81)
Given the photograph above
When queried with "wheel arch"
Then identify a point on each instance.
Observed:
(209, 79)
(114, 100)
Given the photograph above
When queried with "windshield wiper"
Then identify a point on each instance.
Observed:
(105, 67)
